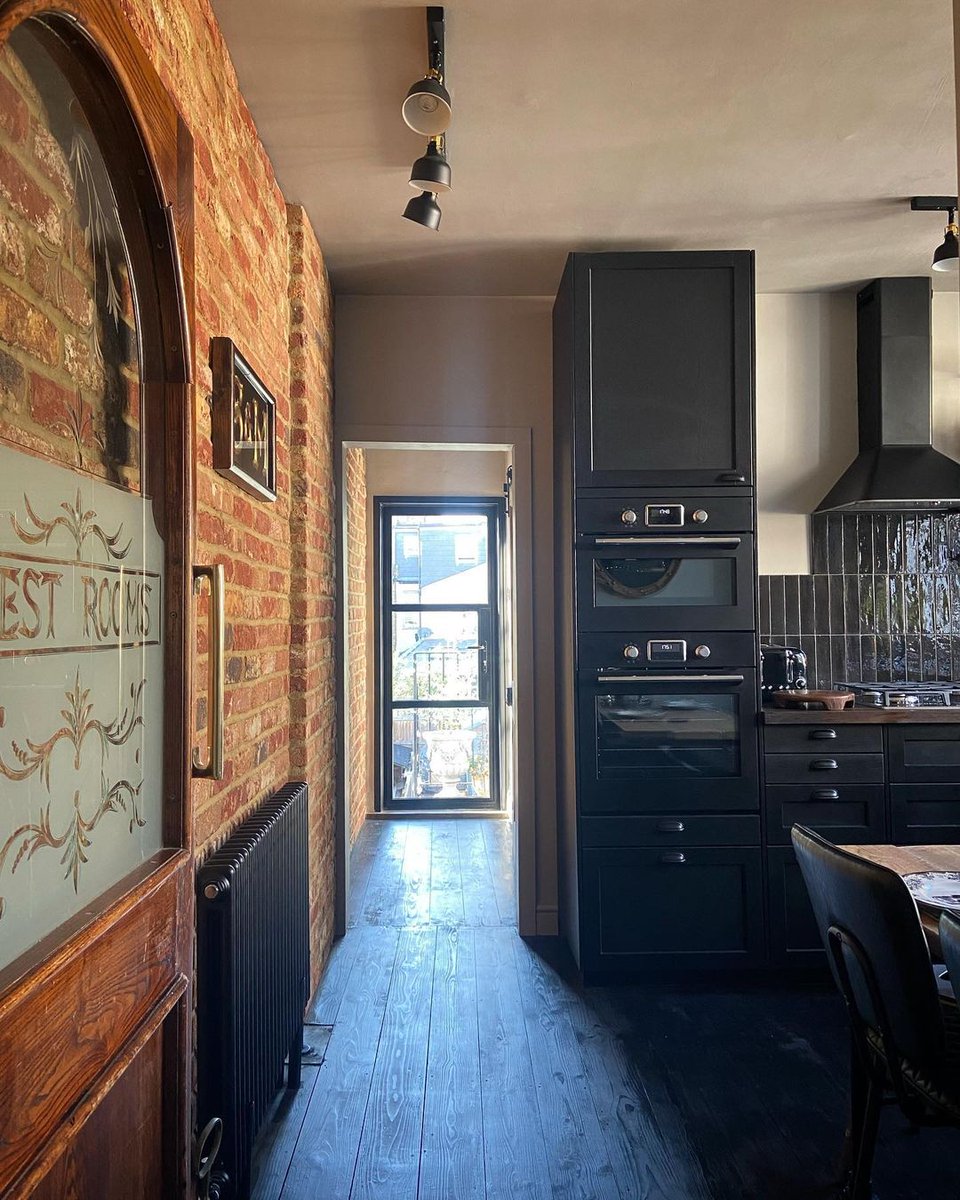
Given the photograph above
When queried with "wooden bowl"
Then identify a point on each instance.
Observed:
(831, 701)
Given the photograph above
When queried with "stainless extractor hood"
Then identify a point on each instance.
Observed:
(897, 467)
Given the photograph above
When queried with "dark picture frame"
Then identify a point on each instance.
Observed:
(244, 422)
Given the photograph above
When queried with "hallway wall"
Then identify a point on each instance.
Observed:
(260, 279)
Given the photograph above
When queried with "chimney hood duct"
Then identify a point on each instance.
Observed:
(897, 467)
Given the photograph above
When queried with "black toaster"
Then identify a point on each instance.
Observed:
(782, 668)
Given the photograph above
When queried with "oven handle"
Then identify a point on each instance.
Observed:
(666, 541)
(602, 678)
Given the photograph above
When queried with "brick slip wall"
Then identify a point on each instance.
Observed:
(358, 752)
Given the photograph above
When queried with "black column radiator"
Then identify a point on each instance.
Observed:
(253, 975)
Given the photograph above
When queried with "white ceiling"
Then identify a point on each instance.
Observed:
(798, 129)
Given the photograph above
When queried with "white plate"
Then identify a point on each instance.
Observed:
(941, 889)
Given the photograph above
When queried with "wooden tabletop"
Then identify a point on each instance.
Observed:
(905, 860)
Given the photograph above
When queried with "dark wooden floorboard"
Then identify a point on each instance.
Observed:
(465, 1064)
(451, 1162)
(446, 885)
(388, 1164)
(326, 1151)
(513, 1145)
(278, 1139)
(479, 897)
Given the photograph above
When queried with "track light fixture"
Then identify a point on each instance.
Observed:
(427, 110)
(424, 210)
(946, 257)
(431, 172)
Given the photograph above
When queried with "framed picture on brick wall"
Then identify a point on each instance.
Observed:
(244, 422)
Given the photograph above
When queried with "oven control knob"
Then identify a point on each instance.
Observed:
(700, 515)
(702, 651)
(631, 653)
(628, 516)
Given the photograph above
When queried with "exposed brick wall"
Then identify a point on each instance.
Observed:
(312, 693)
(260, 280)
(358, 750)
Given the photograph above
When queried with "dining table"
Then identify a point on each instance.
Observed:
(909, 860)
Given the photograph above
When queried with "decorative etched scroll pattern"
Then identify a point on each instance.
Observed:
(36, 757)
(79, 522)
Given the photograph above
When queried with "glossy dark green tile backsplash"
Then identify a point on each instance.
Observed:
(883, 602)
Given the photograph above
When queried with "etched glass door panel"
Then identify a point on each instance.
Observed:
(81, 560)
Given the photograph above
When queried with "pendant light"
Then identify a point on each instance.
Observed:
(431, 172)
(424, 210)
(946, 257)
(426, 107)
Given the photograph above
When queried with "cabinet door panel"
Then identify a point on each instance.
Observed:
(925, 815)
(924, 753)
(794, 937)
(823, 739)
(648, 909)
(848, 814)
(824, 769)
(664, 375)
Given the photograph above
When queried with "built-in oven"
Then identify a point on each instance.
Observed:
(666, 724)
(668, 582)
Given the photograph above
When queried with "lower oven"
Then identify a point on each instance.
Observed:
(661, 738)
(667, 583)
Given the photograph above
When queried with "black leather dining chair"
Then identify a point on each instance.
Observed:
(904, 1046)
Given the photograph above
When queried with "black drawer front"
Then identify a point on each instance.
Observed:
(850, 813)
(794, 936)
(679, 830)
(659, 513)
(925, 815)
(831, 739)
(650, 909)
(823, 769)
(924, 753)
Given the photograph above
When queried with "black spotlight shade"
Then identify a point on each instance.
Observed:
(946, 257)
(424, 209)
(427, 107)
(431, 173)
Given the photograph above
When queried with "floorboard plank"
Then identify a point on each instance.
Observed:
(513, 1149)
(446, 886)
(326, 1150)
(363, 854)
(383, 893)
(499, 838)
(576, 1149)
(413, 902)
(275, 1145)
(325, 1006)
(388, 1163)
(479, 898)
(452, 1156)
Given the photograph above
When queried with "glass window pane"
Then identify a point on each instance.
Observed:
(439, 558)
(670, 735)
(441, 753)
(435, 655)
(639, 582)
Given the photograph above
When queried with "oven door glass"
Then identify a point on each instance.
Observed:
(669, 746)
(637, 582)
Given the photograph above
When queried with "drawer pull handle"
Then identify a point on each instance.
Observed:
(670, 826)
(823, 735)
(825, 794)
(824, 764)
(673, 856)
(731, 477)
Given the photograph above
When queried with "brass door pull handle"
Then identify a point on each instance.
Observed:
(212, 768)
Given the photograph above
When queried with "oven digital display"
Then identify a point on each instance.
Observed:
(661, 516)
(672, 651)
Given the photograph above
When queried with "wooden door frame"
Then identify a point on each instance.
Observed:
(40, 990)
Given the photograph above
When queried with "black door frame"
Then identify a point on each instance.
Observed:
(383, 508)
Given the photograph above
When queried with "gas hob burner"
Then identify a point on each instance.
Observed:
(941, 694)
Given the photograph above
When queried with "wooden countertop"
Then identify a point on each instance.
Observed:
(861, 716)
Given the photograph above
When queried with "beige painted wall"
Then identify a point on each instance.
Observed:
(407, 362)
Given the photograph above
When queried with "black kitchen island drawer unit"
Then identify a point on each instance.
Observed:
(926, 814)
(920, 754)
(794, 936)
(681, 830)
(823, 740)
(823, 768)
(647, 910)
(848, 813)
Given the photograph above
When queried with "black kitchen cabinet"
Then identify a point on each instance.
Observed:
(659, 348)
(650, 909)
(794, 936)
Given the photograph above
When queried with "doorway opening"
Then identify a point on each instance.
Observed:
(438, 629)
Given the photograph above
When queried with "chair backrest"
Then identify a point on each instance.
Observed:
(871, 929)
(950, 944)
